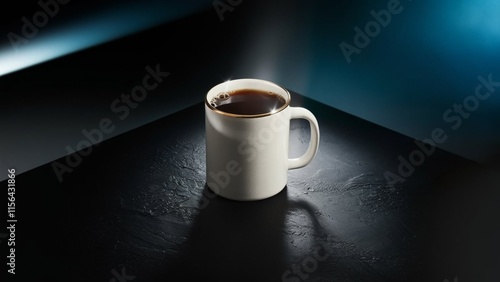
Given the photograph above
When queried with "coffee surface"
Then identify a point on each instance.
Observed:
(248, 102)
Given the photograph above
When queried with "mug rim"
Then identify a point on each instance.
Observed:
(280, 109)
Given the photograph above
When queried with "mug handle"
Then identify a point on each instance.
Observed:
(296, 113)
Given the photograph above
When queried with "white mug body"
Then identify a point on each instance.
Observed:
(247, 156)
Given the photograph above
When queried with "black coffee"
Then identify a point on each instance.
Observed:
(248, 102)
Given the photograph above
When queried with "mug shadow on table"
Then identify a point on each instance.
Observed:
(238, 241)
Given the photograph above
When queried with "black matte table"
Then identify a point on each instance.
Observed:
(136, 208)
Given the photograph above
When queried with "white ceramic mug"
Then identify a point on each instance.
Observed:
(247, 155)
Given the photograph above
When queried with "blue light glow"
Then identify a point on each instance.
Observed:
(481, 16)
(53, 42)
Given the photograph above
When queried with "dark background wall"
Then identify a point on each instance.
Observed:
(418, 63)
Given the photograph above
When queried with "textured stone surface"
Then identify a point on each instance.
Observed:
(138, 205)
